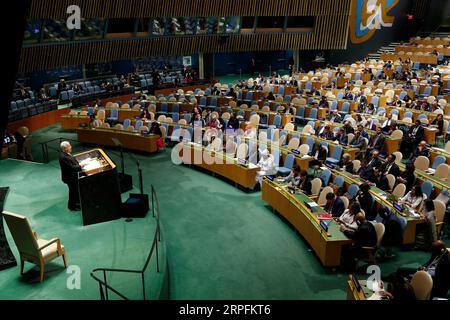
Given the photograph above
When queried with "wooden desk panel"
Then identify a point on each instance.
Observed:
(73, 122)
(241, 175)
(327, 248)
(425, 59)
(129, 140)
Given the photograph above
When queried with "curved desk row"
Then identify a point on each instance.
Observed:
(129, 140)
(218, 163)
(326, 244)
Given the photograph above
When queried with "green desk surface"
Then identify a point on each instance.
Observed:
(334, 234)
(378, 194)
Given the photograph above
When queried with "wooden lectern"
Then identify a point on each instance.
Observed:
(99, 187)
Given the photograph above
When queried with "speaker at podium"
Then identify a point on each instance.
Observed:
(98, 186)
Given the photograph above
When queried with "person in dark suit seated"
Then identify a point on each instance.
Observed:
(438, 266)
(386, 125)
(327, 134)
(376, 142)
(346, 163)
(390, 167)
(305, 183)
(365, 200)
(364, 236)
(323, 103)
(393, 234)
(421, 150)
(69, 174)
(357, 141)
(348, 127)
(341, 137)
(270, 96)
(363, 132)
(438, 123)
(334, 205)
(407, 177)
(334, 116)
(348, 95)
(144, 114)
(319, 154)
(367, 169)
(380, 180)
(413, 137)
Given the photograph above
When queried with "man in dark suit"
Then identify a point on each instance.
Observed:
(364, 236)
(390, 167)
(335, 206)
(376, 142)
(413, 137)
(367, 170)
(69, 174)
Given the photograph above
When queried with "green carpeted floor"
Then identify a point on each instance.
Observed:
(222, 242)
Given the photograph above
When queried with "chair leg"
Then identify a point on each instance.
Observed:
(22, 262)
(64, 256)
(41, 269)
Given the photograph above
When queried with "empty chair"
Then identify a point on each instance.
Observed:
(277, 121)
(126, 123)
(138, 125)
(316, 184)
(289, 126)
(287, 166)
(312, 115)
(437, 161)
(422, 284)
(422, 163)
(345, 108)
(335, 156)
(242, 151)
(339, 181)
(353, 190)
(303, 149)
(310, 142)
(399, 191)
(427, 188)
(325, 177)
(114, 115)
(293, 144)
(442, 171)
(31, 248)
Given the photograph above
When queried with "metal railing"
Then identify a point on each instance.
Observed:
(100, 274)
(45, 147)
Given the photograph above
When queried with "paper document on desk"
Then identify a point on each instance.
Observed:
(252, 166)
(430, 171)
(92, 164)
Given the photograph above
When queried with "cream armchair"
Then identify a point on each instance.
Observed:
(31, 248)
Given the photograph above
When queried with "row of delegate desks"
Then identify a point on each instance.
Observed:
(380, 196)
(425, 59)
(326, 244)
(129, 140)
(429, 133)
(219, 163)
(390, 145)
(444, 51)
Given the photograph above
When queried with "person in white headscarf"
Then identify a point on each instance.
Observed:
(266, 164)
